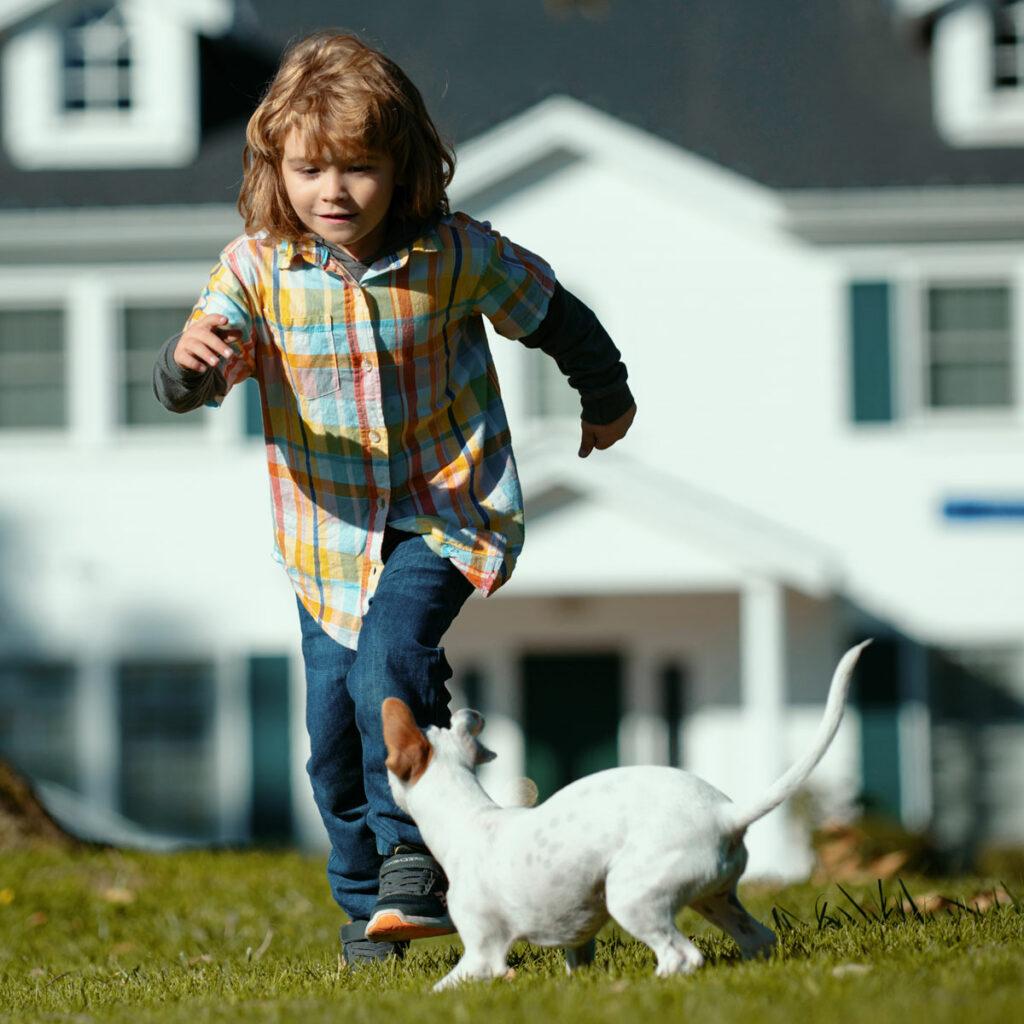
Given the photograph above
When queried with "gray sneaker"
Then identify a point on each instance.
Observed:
(412, 900)
(357, 949)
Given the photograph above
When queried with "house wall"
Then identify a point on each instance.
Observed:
(116, 541)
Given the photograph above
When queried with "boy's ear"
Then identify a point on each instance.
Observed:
(409, 751)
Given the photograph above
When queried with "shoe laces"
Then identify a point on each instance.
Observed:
(412, 874)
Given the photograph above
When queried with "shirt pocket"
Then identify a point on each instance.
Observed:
(310, 348)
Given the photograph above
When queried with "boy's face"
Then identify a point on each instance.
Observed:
(343, 198)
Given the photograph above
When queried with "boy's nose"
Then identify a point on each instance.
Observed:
(332, 186)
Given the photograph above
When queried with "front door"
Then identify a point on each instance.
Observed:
(572, 704)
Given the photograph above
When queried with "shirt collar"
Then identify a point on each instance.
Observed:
(311, 251)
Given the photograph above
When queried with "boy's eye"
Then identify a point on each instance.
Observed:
(360, 168)
(309, 171)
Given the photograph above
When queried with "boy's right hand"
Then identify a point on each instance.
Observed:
(204, 343)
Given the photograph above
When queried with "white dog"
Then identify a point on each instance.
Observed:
(636, 843)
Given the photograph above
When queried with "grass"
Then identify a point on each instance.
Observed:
(245, 936)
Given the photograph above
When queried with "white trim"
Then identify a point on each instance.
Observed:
(560, 123)
(161, 129)
(969, 110)
(906, 215)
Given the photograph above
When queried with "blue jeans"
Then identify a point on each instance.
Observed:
(418, 596)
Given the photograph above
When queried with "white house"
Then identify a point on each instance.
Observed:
(812, 265)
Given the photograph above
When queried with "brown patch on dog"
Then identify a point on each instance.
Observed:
(409, 751)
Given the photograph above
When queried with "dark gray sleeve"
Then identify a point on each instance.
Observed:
(182, 390)
(573, 336)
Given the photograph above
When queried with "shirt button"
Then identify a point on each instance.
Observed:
(374, 436)
(382, 503)
(367, 366)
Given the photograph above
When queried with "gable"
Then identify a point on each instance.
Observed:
(100, 86)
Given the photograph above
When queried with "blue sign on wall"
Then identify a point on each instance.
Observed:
(978, 508)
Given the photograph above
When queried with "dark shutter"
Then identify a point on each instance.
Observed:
(871, 351)
(877, 696)
(271, 804)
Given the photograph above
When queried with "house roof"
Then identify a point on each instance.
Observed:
(815, 96)
(689, 539)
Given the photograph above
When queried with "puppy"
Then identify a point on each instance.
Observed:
(635, 843)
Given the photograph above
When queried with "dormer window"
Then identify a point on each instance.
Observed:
(97, 61)
(1008, 44)
(978, 73)
(106, 85)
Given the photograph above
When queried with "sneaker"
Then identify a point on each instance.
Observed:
(357, 949)
(411, 903)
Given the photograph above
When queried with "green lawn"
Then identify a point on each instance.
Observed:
(231, 936)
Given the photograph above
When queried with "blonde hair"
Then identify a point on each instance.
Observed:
(342, 96)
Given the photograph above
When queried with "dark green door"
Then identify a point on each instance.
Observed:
(572, 704)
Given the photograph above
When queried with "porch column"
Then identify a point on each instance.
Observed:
(763, 695)
(98, 735)
(232, 746)
(915, 755)
(643, 731)
(502, 699)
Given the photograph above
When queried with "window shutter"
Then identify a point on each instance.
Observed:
(271, 815)
(877, 696)
(871, 351)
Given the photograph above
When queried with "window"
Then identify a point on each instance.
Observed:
(97, 61)
(144, 330)
(167, 746)
(32, 368)
(1008, 45)
(37, 731)
(968, 347)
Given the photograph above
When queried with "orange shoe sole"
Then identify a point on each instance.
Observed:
(394, 928)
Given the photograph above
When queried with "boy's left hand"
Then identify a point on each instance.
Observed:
(604, 435)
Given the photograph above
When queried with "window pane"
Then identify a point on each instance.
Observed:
(97, 60)
(145, 329)
(32, 368)
(37, 733)
(167, 746)
(970, 347)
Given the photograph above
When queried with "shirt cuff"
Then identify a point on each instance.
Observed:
(607, 408)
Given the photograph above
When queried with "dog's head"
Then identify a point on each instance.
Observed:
(411, 751)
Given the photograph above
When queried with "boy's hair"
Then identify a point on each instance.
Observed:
(344, 97)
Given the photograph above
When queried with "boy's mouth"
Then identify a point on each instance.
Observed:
(342, 217)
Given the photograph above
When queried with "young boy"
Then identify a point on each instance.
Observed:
(355, 299)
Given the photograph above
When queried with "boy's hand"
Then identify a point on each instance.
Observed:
(204, 343)
(605, 435)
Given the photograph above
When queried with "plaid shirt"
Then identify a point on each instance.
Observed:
(381, 402)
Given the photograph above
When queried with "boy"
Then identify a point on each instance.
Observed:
(355, 299)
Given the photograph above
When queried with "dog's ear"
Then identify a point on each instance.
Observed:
(409, 751)
(466, 726)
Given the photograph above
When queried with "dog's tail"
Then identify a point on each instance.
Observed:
(741, 818)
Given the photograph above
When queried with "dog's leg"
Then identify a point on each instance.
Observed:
(485, 956)
(726, 912)
(649, 916)
(579, 956)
